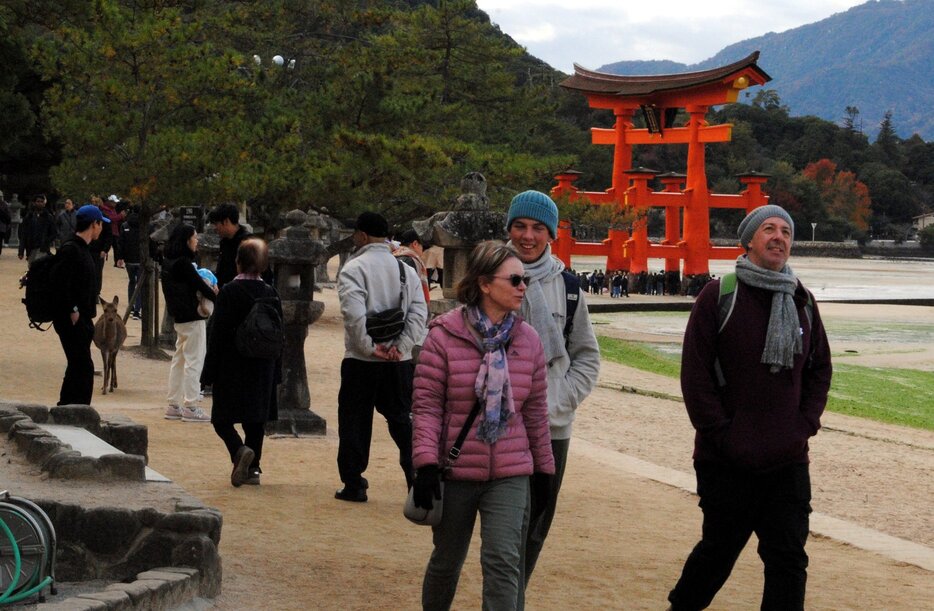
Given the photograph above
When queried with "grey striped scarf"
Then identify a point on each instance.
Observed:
(783, 338)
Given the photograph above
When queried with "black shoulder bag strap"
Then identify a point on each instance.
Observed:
(401, 285)
(456, 448)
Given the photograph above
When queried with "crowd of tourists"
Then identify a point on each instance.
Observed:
(481, 400)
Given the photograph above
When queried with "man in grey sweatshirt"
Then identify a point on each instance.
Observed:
(573, 360)
(375, 374)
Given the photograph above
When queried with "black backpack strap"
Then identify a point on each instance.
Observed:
(572, 288)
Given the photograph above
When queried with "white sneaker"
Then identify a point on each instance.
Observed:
(194, 414)
(173, 412)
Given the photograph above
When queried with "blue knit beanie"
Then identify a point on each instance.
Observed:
(537, 206)
(750, 224)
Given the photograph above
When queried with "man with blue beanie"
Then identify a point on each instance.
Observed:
(755, 384)
(571, 350)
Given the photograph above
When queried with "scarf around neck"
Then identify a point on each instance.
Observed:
(542, 319)
(492, 385)
(783, 337)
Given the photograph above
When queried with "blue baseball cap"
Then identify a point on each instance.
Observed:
(90, 212)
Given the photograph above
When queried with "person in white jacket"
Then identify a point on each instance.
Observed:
(375, 375)
(571, 351)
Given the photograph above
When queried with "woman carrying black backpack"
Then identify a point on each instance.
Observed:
(245, 382)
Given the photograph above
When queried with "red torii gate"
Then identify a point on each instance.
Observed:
(659, 97)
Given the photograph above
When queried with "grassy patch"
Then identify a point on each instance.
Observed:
(639, 355)
(896, 396)
(899, 396)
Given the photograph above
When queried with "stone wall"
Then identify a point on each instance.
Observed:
(59, 460)
(838, 250)
(115, 544)
(889, 248)
(113, 526)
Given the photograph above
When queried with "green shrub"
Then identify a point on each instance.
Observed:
(926, 237)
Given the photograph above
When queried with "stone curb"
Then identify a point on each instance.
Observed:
(58, 459)
(154, 590)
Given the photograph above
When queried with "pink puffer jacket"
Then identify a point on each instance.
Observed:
(444, 395)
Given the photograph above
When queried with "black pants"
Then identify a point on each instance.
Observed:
(253, 435)
(776, 506)
(78, 384)
(132, 273)
(387, 386)
(541, 516)
(98, 280)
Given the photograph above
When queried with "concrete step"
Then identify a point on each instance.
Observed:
(82, 440)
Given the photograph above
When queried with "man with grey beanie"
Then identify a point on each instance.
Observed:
(571, 349)
(755, 372)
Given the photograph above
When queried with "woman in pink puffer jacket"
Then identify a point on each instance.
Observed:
(481, 349)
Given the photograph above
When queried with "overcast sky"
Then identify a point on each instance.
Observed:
(597, 32)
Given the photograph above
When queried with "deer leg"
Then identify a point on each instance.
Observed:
(113, 372)
(106, 372)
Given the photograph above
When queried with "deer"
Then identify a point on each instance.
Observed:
(109, 335)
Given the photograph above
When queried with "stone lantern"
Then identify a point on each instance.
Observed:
(16, 217)
(458, 231)
(164, 329)
(294, 257)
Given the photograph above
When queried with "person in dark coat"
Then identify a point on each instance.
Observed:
(73, 276)
(226, 221)
(244, 389)
(129, 248)
(37, 231)
(100, 247)
(182, 286)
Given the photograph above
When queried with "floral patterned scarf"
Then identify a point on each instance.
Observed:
(492, 385)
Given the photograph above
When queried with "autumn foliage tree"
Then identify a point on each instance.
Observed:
(844, 197)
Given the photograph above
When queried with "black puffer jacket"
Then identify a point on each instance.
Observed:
(37, 231)
(181, 285)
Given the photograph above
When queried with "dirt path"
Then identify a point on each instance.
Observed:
(618, 541)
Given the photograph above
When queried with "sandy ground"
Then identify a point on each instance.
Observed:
(618, 541)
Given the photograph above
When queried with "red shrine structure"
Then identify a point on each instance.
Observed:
(658, 98)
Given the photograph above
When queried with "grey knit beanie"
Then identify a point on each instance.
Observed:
(749, 225)
(537, 206)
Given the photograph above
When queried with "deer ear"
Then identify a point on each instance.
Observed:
(116, 299)
(101, 299)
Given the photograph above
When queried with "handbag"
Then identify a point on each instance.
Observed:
(387, 325)
(432, 517)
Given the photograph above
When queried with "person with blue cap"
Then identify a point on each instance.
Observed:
(755, 372)
(74, 275)
(554, 305)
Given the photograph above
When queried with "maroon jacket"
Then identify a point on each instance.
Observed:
(760, 420)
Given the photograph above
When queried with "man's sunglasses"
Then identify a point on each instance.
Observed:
(516, 279)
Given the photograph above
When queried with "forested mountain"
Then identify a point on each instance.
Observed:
(876, 57)
(377, 105)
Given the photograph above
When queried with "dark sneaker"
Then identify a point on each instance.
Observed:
(241, 469)
(353, 495)
(252, 479)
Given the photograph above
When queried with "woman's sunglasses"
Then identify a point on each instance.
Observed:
(516, 279)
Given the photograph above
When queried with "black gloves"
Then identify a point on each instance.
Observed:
(540, 484)
(427, 486)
